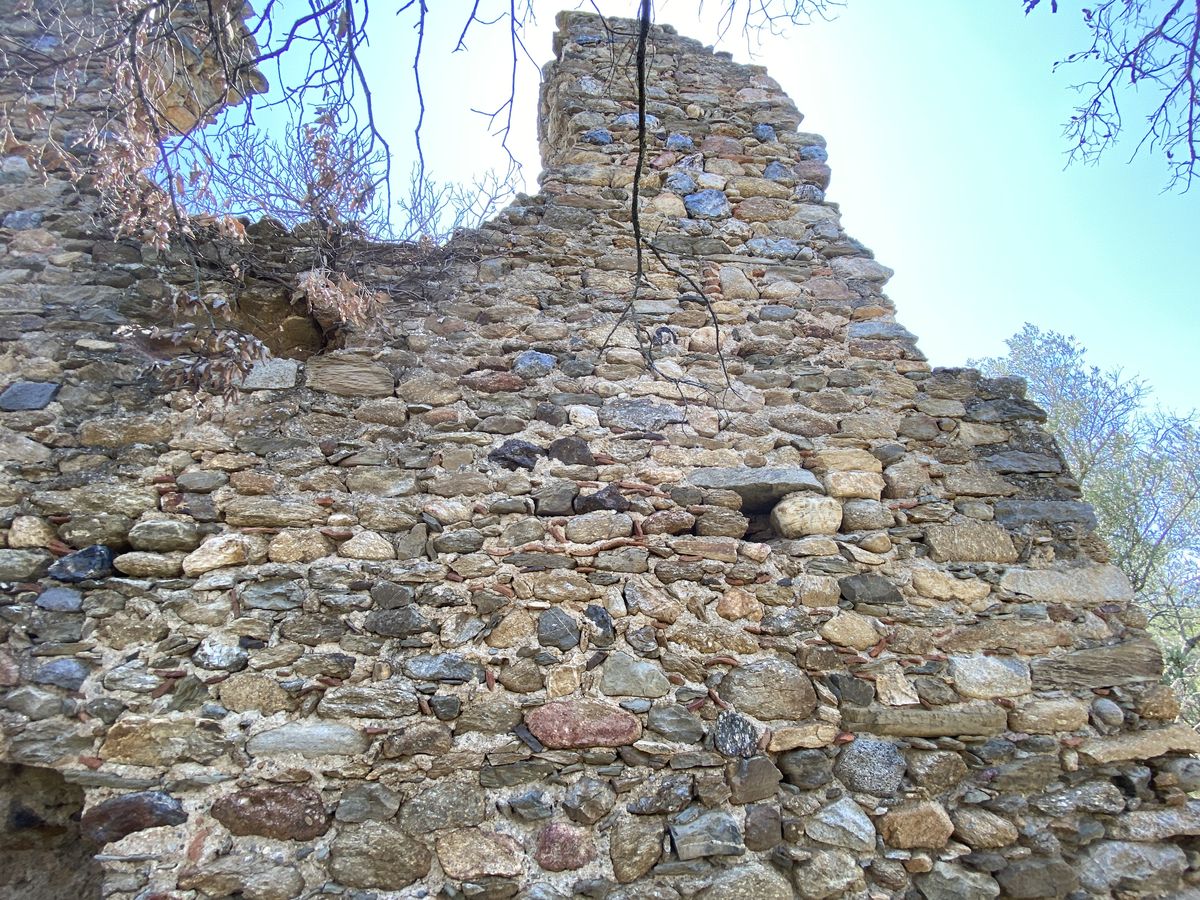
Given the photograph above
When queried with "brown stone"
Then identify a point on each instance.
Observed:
(923, 824)
(574, 724)
(469, 854)
(283, 812)
(1125, 663)
(117, 817)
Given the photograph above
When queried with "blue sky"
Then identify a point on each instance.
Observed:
(944, 124)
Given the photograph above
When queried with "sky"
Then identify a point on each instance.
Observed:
(944, 129)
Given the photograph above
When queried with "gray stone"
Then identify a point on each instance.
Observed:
(625, 676)
(271, 374)
(310, 739)
(760, 489)
(164, 535)
(707, 204)
(735, 735)
(640, 415)
(445, 804)
(880, 330)
(377, 700)
(1019, 513)
(871, 766)
(828, 875)
(377, 855)
(769, 689)
(948, 881)
(23, 565)
(588, 800)
(1034, 877)
(675, 723)
(713, 833)
(533, 364)
(27, 395)
(449, 668)
(753, 882)
(64, 672)
(60, 599)
(753, 779)
(842, 824)
(558, 628)
(367, 801)
(870, 590)
(806, 769)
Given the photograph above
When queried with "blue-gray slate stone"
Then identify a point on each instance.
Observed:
(708, 204)
(26, 395)
(90, 562)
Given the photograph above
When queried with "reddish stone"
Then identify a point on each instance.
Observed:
(573, 724)
(493, 382)
(721, 145)
(561, 847)
(114, 819)
(283, 813)
(813, 172)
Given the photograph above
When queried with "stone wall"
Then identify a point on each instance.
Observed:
(481, 606)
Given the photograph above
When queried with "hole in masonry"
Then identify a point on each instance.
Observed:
(42, 856)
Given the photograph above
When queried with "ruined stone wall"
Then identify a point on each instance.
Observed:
(484, 607)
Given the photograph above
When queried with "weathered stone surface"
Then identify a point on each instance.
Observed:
(446, 804)
(370, 801)
(828, 875)
(948, 881)
(469, 854)
(842, 824)
(1140, 744)
(117, 817)
(769, 689)
(1037, 877)
(624, 676)
(849, 629)
(635, 845)
(966, 719)
(970, 542)
(709, 834)
(987, 677)
(160, 741)
(569, 724)
(1125, 663)
(377, 855)
(870, 766)
(283, 812)
(349, 375)
(753, 882)
(377, 699)
(919, 824)
(244, 874)
(309, 739)
(561, 847)
(799, 515)
(1089, 585)
(980, 829)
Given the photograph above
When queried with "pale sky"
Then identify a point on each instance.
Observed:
(944, 125)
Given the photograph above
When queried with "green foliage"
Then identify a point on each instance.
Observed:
(1139, 466)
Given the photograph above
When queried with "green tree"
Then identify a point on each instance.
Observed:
(1139, 466)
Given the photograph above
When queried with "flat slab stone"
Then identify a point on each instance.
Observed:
(27, 395)
(1136, 660)
(1140, 744)
(970, 542)
(308, 739)
(946, 721)
(759, 489)
(1086, 584)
